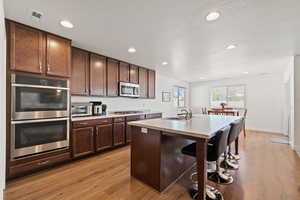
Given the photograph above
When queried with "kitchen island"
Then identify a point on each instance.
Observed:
(156, 157)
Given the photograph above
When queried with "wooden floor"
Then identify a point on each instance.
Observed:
(268, 171)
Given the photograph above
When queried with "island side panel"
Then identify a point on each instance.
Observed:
(145, 156)
(173, 162)
(201, 154)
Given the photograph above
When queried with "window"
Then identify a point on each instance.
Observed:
(179, 94)
(232, 96)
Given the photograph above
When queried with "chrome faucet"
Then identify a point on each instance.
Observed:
(188, 113)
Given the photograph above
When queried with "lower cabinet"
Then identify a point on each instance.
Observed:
(104, 137)
(119, 133)
(128, 133)
(83, 141)
(35, 163)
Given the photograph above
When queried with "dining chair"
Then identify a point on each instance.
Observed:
(204, 111)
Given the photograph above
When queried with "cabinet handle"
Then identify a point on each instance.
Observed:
(49, 69)
(40, 66)
(43, 162)
(83, 123)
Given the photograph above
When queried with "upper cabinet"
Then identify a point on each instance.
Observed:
(80, 72)
(134, 74)
(124, 69)
(112, 77)
(151, 84)
(35, 51)
(97, 75)
(26, 48)
(143, 82)
(58, 56)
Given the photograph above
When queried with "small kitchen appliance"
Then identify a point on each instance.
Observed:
(97, 108)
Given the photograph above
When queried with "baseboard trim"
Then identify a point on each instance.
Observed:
(268, 132)
(297, 149)
(1, 194)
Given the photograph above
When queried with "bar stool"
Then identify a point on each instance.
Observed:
(231, 160)
(216, 147)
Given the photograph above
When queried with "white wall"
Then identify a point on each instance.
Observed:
(264, 100)
(2, 99)
(289, 101)
(163, 83)
(297, 99)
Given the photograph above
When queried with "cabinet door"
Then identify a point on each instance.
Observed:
(143, 82)
(134, 74)
(80, 72)
(112, 77)
(27, 48)
(104, 137)
(128, 133)
(151, 84)
(58, 56)
(97, 75)
(119, 133)
(82, 141)
(124, 69)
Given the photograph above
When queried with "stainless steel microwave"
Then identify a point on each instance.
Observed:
(129, 89)
(81, 109)
(39, 98)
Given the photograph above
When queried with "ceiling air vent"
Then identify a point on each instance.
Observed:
(36, 15)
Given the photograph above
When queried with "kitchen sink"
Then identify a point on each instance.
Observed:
(175, 118)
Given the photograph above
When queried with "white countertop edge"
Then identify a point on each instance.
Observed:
(186, 133)
(74, 119)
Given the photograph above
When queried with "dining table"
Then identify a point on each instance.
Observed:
(221, 111)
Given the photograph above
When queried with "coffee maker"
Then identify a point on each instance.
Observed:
(97, 108)
(104, 108)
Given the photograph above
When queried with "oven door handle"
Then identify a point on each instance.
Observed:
(39, 86)
(39, 120)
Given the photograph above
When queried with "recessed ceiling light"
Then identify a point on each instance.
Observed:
(131, 50)
(245, 72)
(66, 24)
(232, 46)
(164, 63)
(202, 78)
(212, 16)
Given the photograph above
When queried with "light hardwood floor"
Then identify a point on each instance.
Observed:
(268, 171)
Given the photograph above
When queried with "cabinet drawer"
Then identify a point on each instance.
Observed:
(37, 164)
(154, 115)
(135, 118)
(91, 122)
(119, 119)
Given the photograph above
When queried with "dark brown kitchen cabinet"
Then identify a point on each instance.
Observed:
(143, 82)
(134, 74)
(112, 77)
(128, 127)
(26, 48)
(80, 72)
(97, 75)
(124, 69)
(83, 141)
(58, 56)
(119, 133)
(151, 84)
(104, 136)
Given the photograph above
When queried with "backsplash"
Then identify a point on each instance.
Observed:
(163, 83)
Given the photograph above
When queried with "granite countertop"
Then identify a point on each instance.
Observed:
(110, 116)
(201, 126)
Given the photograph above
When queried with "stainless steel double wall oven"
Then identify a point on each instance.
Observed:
(39, 115)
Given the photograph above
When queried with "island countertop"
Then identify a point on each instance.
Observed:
(201, 126)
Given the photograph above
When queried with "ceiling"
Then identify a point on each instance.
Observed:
(267, 33)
